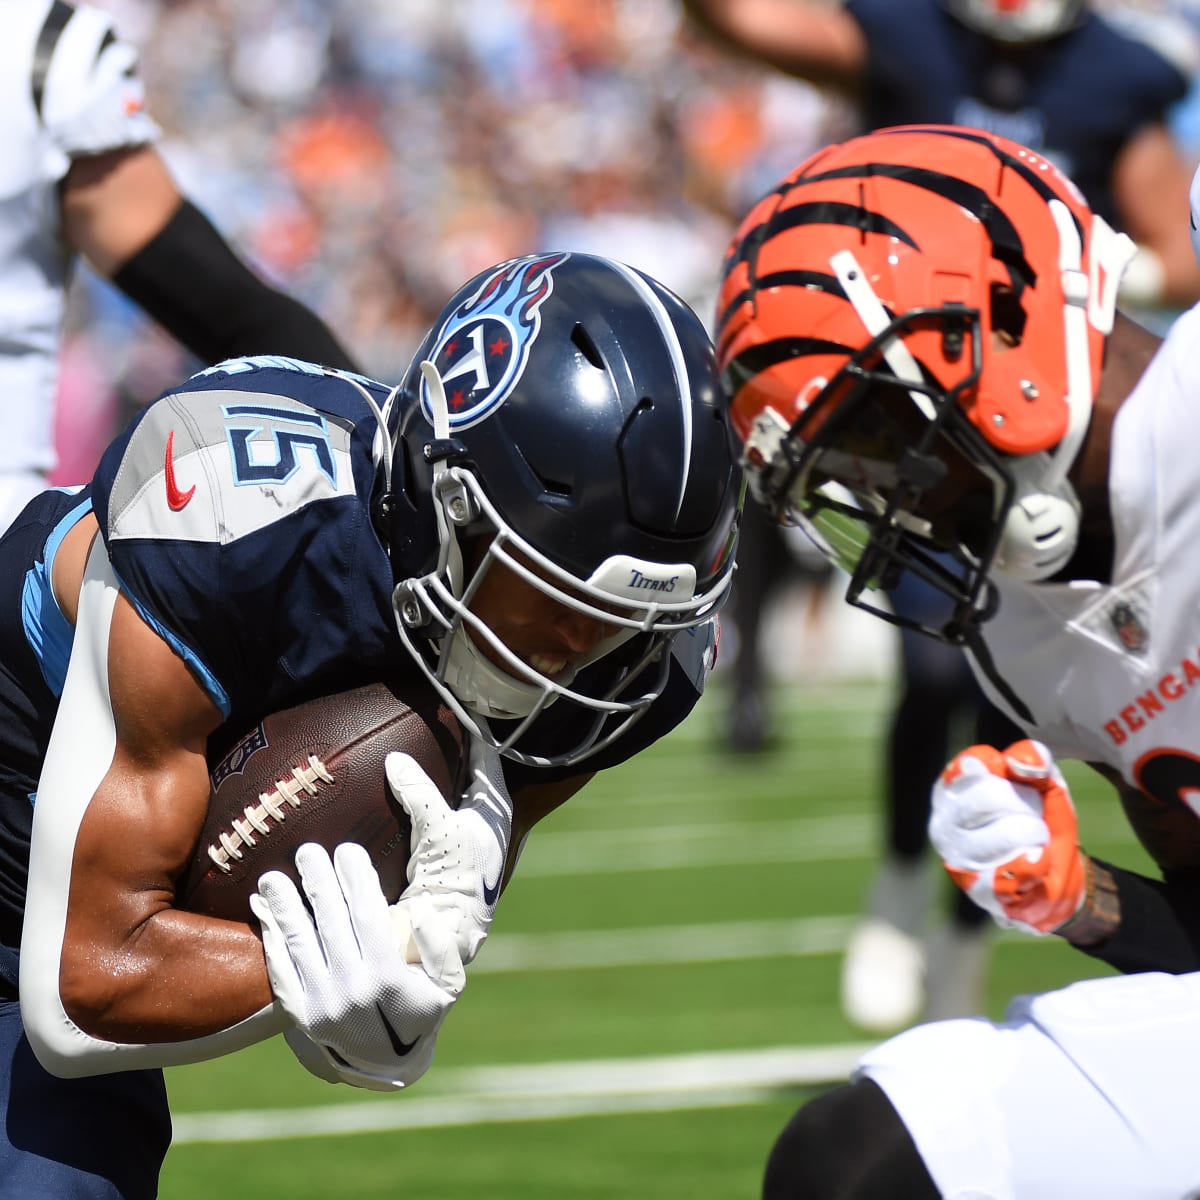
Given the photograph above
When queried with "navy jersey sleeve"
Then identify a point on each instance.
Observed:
(236, 512)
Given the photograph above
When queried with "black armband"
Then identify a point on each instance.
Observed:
(192, 283)
(1159, 928)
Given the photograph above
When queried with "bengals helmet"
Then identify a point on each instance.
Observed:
(910, 330)
(1017, 20)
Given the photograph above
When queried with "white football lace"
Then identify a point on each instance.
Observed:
(270, 804)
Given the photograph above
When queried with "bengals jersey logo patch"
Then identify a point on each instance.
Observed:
(1127, 625)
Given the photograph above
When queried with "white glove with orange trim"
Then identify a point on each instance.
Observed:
(1005, 827)
(458, 854)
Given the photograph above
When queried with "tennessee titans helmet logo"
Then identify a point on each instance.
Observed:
(483, 346)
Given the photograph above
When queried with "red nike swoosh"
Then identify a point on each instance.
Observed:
(176, 499)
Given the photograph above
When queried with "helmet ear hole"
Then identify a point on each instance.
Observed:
(1040, 534)
(1007, 314)
(583, 342)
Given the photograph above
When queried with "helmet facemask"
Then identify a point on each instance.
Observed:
(887, 476)
(641, 604)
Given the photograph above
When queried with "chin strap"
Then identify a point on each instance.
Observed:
(439, 409)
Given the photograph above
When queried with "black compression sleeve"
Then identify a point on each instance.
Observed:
(190, 281)
(1160, 925)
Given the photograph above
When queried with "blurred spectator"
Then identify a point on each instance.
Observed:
(83, 179)
(375, 143)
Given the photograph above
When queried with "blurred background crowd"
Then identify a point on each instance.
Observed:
(369, 156)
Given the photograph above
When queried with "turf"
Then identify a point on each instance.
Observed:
(688, 853)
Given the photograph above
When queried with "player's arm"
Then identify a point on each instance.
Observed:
(1005, 827)
(1150, 183)
(1153, 924)
(112, 975)
(124, 213)
(820, 42)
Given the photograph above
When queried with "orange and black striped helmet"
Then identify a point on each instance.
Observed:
(906, 308)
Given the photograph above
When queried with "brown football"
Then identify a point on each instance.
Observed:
(314, 773)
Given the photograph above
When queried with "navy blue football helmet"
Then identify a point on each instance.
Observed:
(562, 419)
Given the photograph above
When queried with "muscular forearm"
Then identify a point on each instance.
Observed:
(177, 977)
(104, 957)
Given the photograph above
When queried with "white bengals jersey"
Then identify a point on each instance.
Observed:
(1085, 1091)
(1110, 673)
(68, 88)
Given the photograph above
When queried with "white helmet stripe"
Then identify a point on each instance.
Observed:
(875, 319)
(678, 364)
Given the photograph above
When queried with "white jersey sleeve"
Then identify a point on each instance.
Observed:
(69, 88)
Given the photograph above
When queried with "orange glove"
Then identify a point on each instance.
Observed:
(1005, 827)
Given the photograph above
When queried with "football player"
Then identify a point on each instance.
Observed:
(539, 521)
(920, 346)
(82, 177)
(1092, 96)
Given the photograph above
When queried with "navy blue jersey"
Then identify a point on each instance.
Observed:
(237, 514)
(1077, 99)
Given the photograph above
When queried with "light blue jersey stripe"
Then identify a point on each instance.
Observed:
(216, 693)
(47, 631)
(51, 636)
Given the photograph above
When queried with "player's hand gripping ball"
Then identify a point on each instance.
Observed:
(315, 773)
(1005, 827)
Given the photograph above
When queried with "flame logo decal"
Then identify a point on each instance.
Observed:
(483, 346)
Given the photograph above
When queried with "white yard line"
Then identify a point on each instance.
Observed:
(847, 838)
(712, 844)
(536, 1093)
(475, 1095)
(724, 942)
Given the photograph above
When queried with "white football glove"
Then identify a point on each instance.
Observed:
(979, 818)
(340, 974)
(458, 855)
(1005, 827)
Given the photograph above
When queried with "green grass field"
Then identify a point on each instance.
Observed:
(659, 992)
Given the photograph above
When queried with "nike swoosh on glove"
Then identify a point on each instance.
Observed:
(457, 860)
(337, 968)
(1005, 827)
